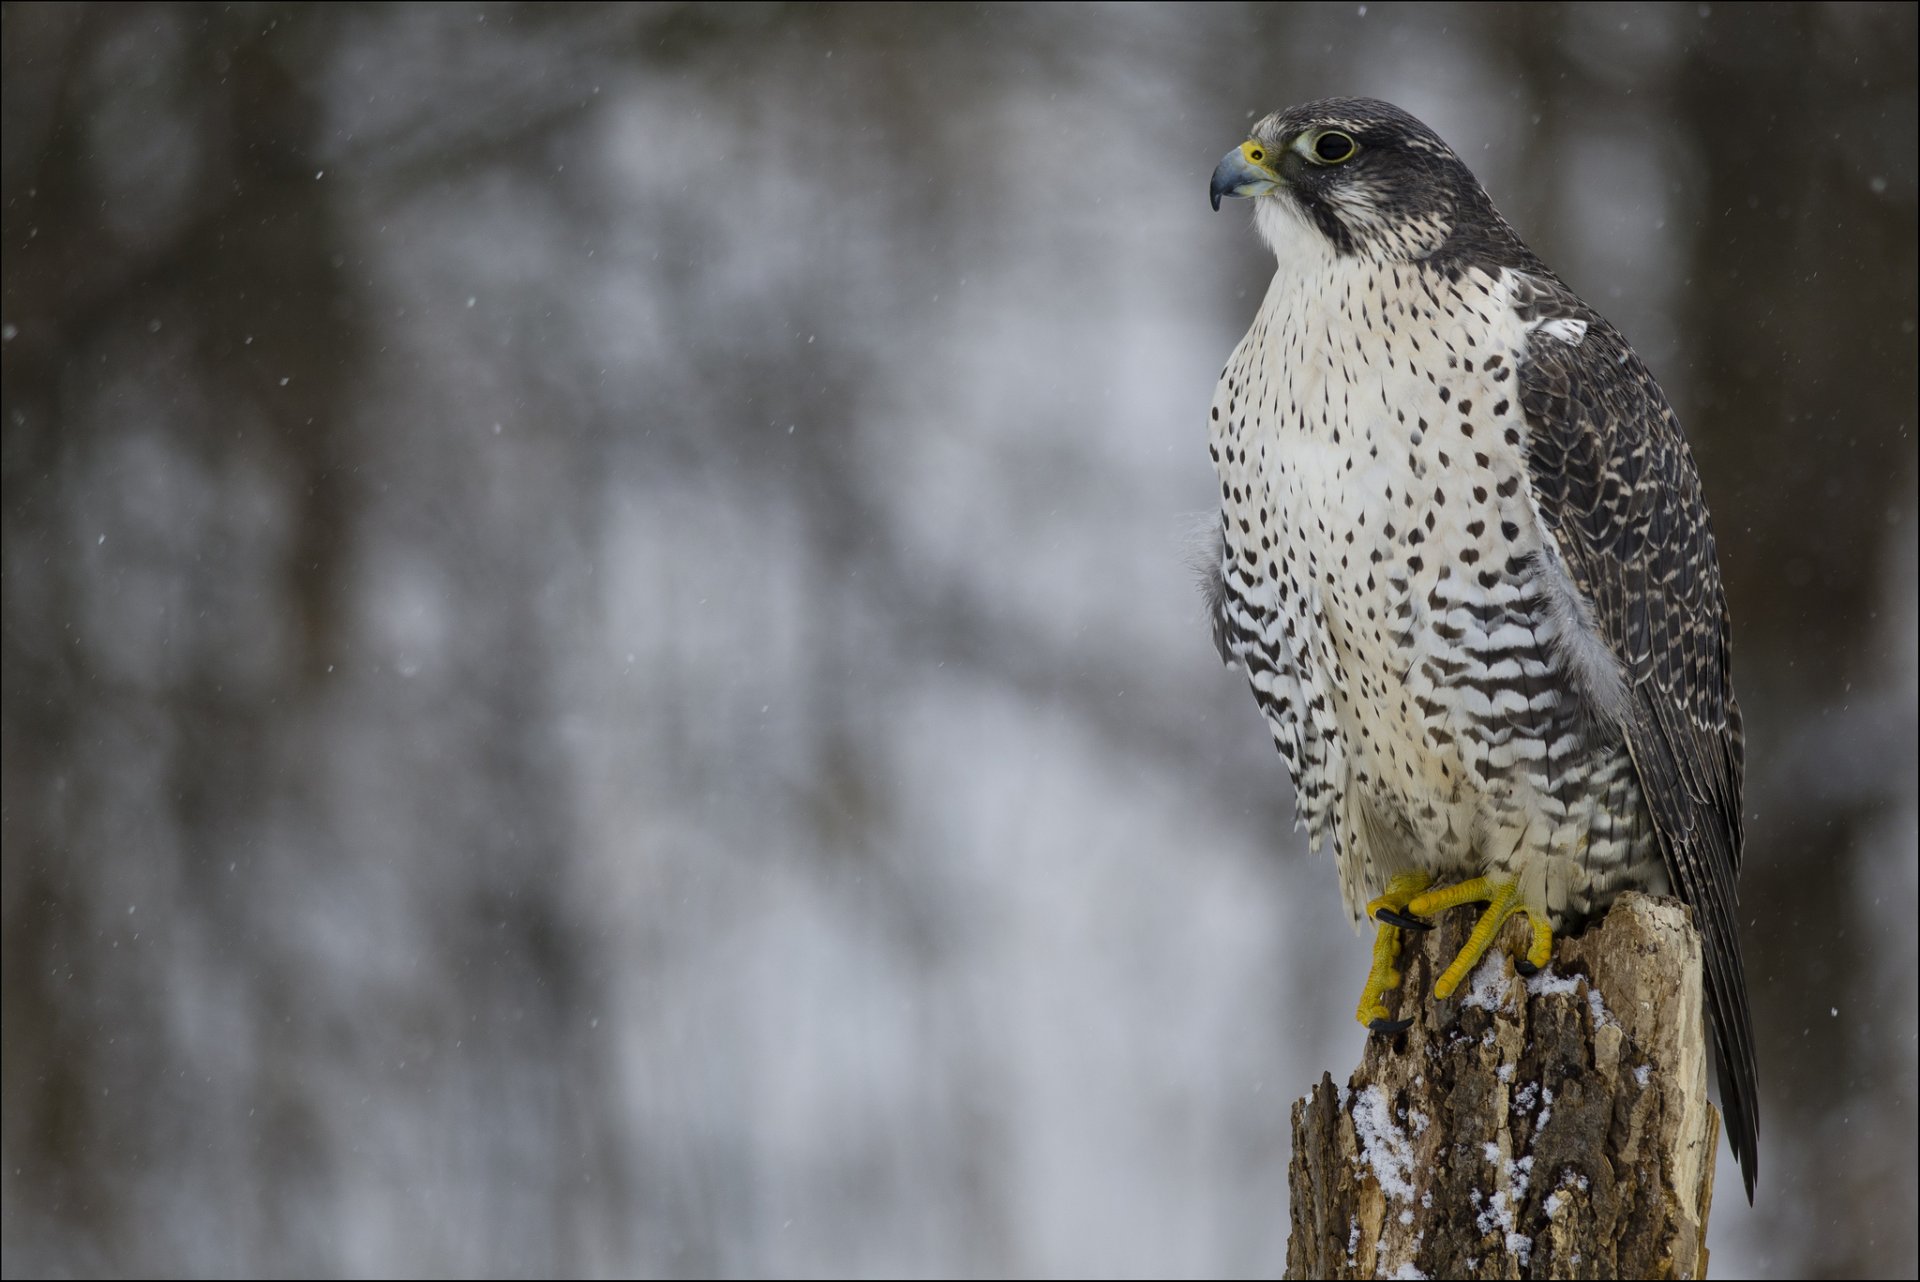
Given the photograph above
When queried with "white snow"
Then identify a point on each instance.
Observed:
(1519, 1175)
(1489, 990)
(1497, 1214)
(1383, 1147)
(1549, 983)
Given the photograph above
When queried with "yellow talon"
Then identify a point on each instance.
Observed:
(1540, 948)
(1384, 975)
(1502, 900)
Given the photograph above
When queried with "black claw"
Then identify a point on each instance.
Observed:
(1525, 967)
(1390, 1026)
(1392, 918)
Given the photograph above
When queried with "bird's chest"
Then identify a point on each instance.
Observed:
(1369, 447)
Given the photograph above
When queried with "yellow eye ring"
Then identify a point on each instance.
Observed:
(1333, 148)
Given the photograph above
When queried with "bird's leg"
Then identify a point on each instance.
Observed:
(1502, 898)
(1390, 911)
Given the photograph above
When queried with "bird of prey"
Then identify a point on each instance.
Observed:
(1465, 562)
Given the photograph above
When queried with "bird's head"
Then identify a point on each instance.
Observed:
(1351, 176)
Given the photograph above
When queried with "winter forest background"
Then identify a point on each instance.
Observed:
(600, 669)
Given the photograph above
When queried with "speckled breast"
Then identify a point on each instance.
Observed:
(1380, 549)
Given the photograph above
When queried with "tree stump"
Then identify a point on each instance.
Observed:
(1547, 1127)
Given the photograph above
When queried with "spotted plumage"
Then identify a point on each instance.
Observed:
(1464, 558)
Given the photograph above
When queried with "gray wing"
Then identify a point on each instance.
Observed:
(1616, 485)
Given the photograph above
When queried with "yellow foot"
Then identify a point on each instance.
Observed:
(1503, 901)
(1386, 951)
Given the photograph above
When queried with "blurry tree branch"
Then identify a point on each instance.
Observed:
(1553, 1127)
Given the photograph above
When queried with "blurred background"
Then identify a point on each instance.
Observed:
(601, 674)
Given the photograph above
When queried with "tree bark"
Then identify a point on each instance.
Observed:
(1551, 1127)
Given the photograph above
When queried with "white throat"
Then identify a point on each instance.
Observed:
(1294, 239)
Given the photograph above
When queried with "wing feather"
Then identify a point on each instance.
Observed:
(1616, 485)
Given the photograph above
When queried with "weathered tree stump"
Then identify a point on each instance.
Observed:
(1551, 1127)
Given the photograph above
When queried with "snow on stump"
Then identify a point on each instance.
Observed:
(1551, 1127)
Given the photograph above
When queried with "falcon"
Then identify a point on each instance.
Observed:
(1465, 562)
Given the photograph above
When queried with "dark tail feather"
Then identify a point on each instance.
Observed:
(1733, 1047)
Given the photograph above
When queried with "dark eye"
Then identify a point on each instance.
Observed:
(1332, 147)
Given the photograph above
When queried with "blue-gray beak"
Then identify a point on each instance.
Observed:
(1243, 172)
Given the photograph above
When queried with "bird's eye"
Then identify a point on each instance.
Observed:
(1332, 147)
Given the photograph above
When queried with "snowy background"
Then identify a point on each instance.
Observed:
(600, 671)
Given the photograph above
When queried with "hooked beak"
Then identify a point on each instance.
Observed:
(1243, 172)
